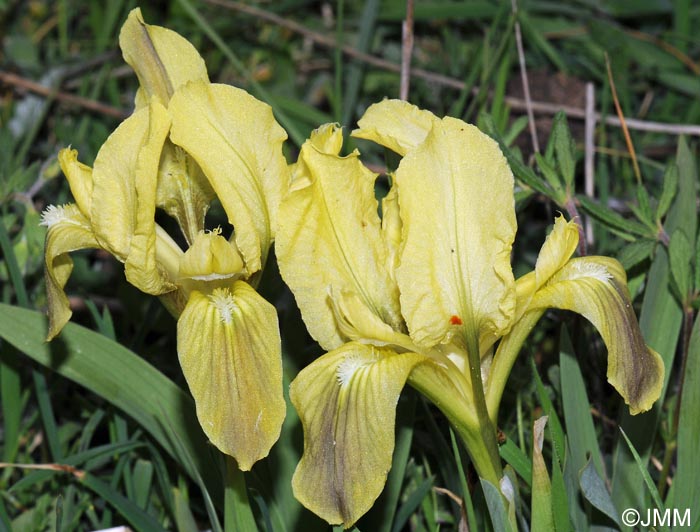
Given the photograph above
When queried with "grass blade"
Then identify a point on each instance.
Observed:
(122, 378)
(685, 482)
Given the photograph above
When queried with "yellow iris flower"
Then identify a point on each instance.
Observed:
(425, 295)
(187, 142)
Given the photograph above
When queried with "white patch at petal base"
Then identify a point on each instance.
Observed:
(349, 366)
(583, 270)
(224, 303)
(54, 214)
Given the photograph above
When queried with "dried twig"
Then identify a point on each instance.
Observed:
(523, 76)
(406, 51)
(77, 473)
(625, 131)
(36, 88)
(517, 104)
(589, 152)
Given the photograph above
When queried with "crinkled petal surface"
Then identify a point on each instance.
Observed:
(141, 267)
(162, 59)
(229, 347)
(596, 288)
(395, 124)
(347, 403)
(457, 207)
(238, 144)
(331, 240)
(69, 230)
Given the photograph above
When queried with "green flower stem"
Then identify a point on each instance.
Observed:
(503, 360)
(491, 463)
(460, 412)
(238, 516)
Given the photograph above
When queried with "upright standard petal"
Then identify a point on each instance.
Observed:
(162, 59)
(229, 347)
(347, 403)
(238, 144)
(457, 207)
(596, 288)
(68, 230)
(395, 124)
(331, 242)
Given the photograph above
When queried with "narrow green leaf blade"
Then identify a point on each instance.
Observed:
(680, 255)
(685, 481)
(122, 378)
(668, 192)
(138, 518)
(644, 473)
(660, 320)
(517, 459)
(564, 149)
(594, 490)
(612, 219)
(581, 433)
(542, 518)
(497, 510)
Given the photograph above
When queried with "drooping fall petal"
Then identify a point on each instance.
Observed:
(162, 59)
(457, 208)
(347, 404)
(238, 145)
(395, 124)
(330, 238)
(229, 349)
(68, 230)
(596, 288)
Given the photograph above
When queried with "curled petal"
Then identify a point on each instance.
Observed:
(238, 145)
(142, 268)
(457, 209)
(230, 352)
(596, 288)
(347, 403)
(556, 250)
(79, 178)
(356, 322)
(395, 124)
(391, 228)
(124, 181)
(68, 230)
(330, 238)
(162, 59)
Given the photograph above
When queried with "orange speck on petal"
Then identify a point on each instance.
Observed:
(456, 320)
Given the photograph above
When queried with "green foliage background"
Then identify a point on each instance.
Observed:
(119, 435)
